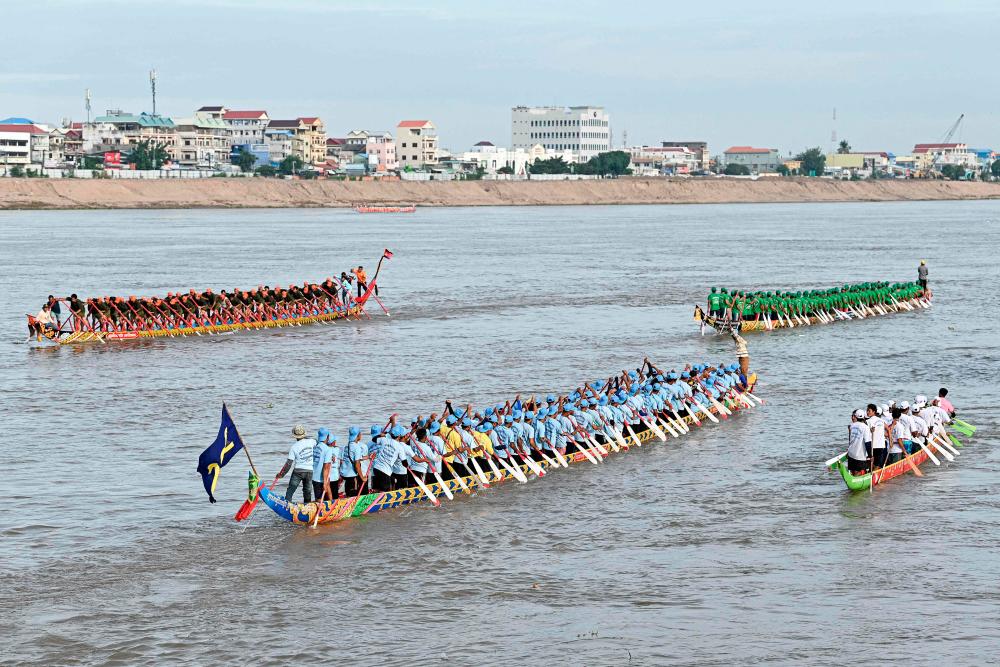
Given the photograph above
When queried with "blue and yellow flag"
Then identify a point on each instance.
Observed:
(219, 453)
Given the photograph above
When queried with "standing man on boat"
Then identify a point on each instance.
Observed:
(857, 453)
(326, 467)
(300, 462)
(741, 353)
(922, 275)
(879, 434)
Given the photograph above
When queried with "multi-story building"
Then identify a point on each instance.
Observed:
(935, 156)
(699, 148)
(314, 136)
(490, 158)
(279, 144)
(298, 143)
(380, 147)
(245, 127)
(416, 144)
(16, 141)
(308, 138)
(757, 160)
(202, 142)
(218, 113)
(585, 129)
(73, 142)
(119, 131)
(664, 160)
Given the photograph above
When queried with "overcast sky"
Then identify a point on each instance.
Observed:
(765, 73)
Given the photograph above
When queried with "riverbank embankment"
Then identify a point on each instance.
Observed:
(23, 193)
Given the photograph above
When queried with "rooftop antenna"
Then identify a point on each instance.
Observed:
(833, 135)
(86, 101)
(152, 85)
(624, 138)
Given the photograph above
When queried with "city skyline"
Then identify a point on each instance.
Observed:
(723, 74)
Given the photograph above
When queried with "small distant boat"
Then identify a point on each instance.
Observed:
(385, 209)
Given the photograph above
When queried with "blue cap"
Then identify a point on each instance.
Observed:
(542, 412)
(376, 429)
(685, 375)
(518, 414)
(450, 419)
(550, 399)
(353, 432)
(508, 419)
(529, 415)
(488, 411)
(603, 400)
(434, 427)
(659, 378)
(672, 376)
(322, 434)
(632, 375)
(466, 422)
(397, 431)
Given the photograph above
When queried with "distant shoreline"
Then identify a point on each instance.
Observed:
(35, 194)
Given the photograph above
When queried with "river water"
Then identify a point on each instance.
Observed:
(730, 546)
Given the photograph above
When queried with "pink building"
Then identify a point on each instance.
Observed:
(379, 146)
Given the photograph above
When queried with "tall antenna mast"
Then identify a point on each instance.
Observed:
(86, 100)
(152, 85)
(833, 135)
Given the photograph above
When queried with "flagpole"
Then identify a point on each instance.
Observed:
(245, 448)
(378, 267)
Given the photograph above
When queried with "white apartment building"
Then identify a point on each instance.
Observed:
(663, 160)
(245, 127)
(416, 144)
(585, 130)
(491, 158)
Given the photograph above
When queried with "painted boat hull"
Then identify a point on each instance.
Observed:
(865, 482)
(347, 508)
(80, 337)
(751, 326)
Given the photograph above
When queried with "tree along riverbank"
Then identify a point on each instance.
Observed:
(25, 193)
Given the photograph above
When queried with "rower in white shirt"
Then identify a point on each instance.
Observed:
(879, 432)
(857, 434)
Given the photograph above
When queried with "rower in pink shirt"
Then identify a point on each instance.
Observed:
(944, 403)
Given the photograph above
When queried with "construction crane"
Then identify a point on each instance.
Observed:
(938, 158)
(952, 130)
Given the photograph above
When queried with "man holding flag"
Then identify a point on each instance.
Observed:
(227, 444)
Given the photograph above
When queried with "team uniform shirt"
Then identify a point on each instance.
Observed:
(857, 433)
(403, 454)
(436, 453)
(301, 453)
(919, 427)
(899, 431)
(501, 437)
(553, 433)
(386, 454)
(353, 451)
(452, 442)
(420, 449)
(323, 454)
(877, 429)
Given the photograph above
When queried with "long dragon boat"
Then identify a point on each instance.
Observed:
(875, 477)
(370, 503)
(92, 336)
(765, 311)
(179, 321)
